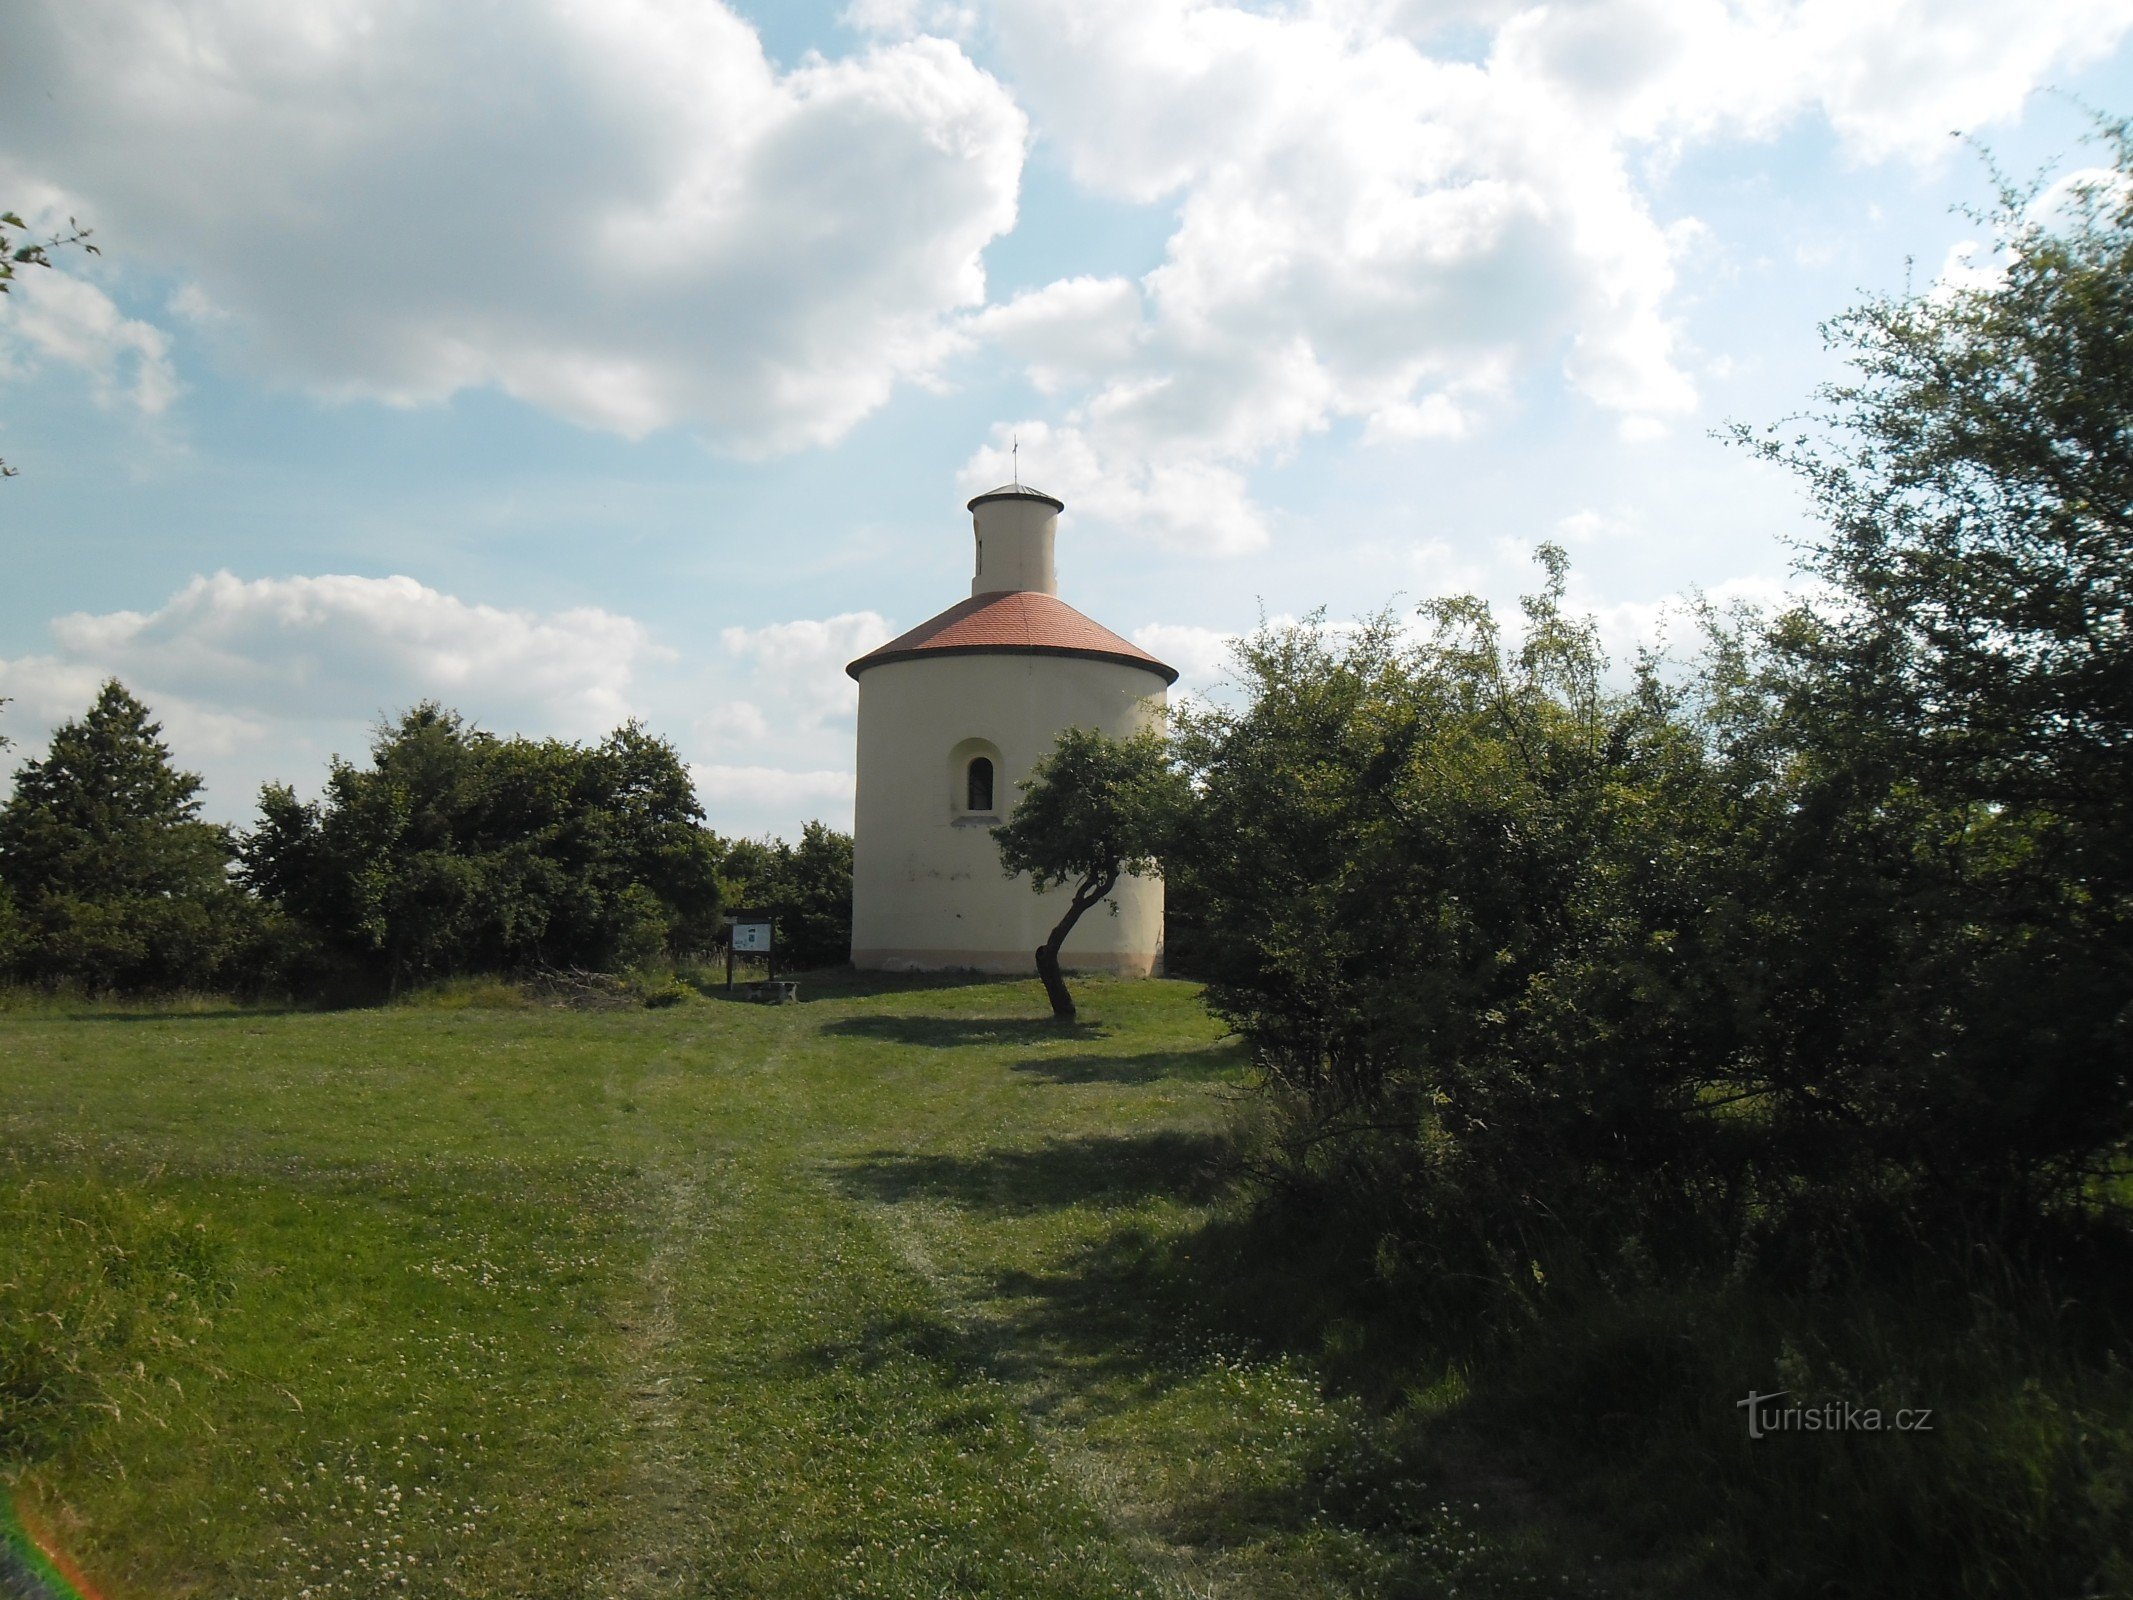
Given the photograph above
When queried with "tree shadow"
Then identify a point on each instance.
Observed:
(232, 1013)
(953, 1033)
(1103, 1169)
(848, 983)
(1199, 1325)
(1149, 1067)
(891, 1338)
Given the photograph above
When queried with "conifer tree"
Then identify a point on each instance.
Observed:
(115, 881)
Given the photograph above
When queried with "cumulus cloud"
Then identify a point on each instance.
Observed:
(54, 317)
(1201, 655)
(1372, 228)
(1364, 232)
(622, 213)
(1076, 330)
(341, 647)
(822, 794)
(263, 679)
(778, 724)
(798, 667)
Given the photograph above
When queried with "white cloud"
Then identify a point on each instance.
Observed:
(44, 691)
(263, 680)
(1371, 230)
(54, 317)
(777, 723)
(1201, 655)
(1364, 232)
(1893, 79)
(1590, 525)
(903, 19)
(1188, 501)
(734, 723)
(1075, 330)
(621, 213)
(799, 666)
(1668, 623)
(781, 792)
(347, 647)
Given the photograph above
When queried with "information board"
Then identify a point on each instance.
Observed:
(751, 936)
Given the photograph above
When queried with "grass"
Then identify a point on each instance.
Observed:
(887, 1293)
(901, 1291)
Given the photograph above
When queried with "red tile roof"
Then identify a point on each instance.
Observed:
(1014, 621)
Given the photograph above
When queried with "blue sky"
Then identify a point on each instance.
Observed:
(569, 362)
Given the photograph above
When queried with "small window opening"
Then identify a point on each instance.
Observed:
(977, 792)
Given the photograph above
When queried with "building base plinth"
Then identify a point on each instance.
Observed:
(1009, 963)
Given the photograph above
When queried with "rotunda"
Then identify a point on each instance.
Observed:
(952, 716)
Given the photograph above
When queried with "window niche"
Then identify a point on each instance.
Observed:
(975, 781)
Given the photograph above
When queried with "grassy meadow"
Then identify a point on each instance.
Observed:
(892, 1292)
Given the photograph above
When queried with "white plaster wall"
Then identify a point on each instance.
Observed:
(927, 889)
(1015, 541)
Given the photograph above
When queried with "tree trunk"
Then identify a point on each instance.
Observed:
(1055, 988)
(1086, 893)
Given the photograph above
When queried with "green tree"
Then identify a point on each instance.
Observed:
(806, 888)
(114, 880)
(1458, 898)
(456, 851)
(1092, 810)
(1952, 868)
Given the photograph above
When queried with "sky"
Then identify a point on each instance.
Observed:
(573, 361)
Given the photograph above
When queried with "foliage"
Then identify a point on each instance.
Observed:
(1778, 961)
(456, 851)
(1092, 810)
(108, 877)
(1460, 899)
(1951, 883)
(806, 888)
(15, 251)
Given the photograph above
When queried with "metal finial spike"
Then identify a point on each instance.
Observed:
(1016, 454)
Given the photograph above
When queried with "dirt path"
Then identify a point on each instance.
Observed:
(663, 1494)
(1176, 1571)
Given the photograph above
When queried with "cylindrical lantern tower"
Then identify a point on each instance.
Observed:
(952, 716)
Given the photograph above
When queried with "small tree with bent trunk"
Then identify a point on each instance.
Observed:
(1092, 811)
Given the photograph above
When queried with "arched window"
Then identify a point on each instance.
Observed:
(977, 788)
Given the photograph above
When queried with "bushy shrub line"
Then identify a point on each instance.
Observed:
(1788, 980)
(451, 852)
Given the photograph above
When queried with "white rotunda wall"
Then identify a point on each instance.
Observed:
(928, 892)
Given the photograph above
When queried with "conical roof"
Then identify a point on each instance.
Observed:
(1016, 491)
(1013, 622)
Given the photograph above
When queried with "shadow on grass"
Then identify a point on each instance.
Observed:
(891, 1338)
(847, 983)
(1173, 1344)
(234, 1012)
(953, 1033)
(1104, 1169)
(1149, 1067)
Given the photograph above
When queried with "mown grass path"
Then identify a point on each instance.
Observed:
(883, 1294)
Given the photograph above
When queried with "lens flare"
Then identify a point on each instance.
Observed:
(32, 1565)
